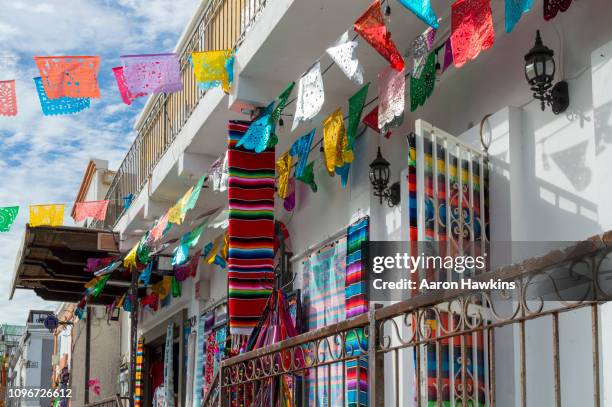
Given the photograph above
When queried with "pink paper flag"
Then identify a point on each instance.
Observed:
(152, 73)
(8, 98)
(91, 209)
(127, 96)
(160, 226)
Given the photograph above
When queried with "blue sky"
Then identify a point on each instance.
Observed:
(42, 159)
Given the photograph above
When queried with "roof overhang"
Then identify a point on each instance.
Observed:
(52, 260)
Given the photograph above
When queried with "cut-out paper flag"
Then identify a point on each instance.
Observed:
(422, 9)
(311, 95)
(335, 142)
(177, 213)
(192, 238)
(371, 26)
(195, 194)
(301, 148)
(472, 29)
(448, 54)
(8, 98)
(420, 49)
(278, 111)
(283, 169)
(91, 209)
(129, 261)
(371, 120)
(152, 73)
(213, 68)
(108, 269)
(344, 53)
(356, 104)
(69, 76)
(514, 12)
(219, 173)
(308, 177)
(145, 276)
(552, 7)
(258, 135)
(46, 215)
(422, 88)
(160, 227)
(391, 98)
(127, 96)
(344, 173)
(59, 106)
(8, 214)
(289, 201)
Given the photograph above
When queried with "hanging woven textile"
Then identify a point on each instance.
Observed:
(472, 29)
(64, 105)
(213, 68)
(371, 26)
(198, 381)
(283, 169)
(311, 95)
(301, 148)
(251, 233)
(127, 96)
(343, 53)
(138, 374)
(168, 366)
(420, 50)
(335, 142)
(69, 76)
(515, 10)
(423, 10)
(152, 73)
(422, 88)
(8, 98)
(391, 98)
(46, 215)
(8, 214)
(552, 7)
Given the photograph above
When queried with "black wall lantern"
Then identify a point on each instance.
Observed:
(379, 177)
(540, 72)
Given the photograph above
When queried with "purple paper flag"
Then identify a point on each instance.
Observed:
(152, 73)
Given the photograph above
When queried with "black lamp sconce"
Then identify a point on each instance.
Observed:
(540, 73)
(379, 177)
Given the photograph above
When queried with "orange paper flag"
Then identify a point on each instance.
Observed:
(69, 76)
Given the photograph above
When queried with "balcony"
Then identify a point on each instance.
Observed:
(220, 24)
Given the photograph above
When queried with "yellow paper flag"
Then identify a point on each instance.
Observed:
(176, 214)
(335, 142)
(283, 168)
(129, 262)
(209, 67)
(46, 215)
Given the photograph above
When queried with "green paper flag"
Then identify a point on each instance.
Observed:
(282, 102)
(7, 217)
(191, 238)
(176, 288)
(422, 88)
(356, 104)
(308, 176)
(99, 286)
(195, 194)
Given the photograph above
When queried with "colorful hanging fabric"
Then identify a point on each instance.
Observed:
(301, 148)
(169, 367)
(90, 209)
(448, 54)
(391, 98)
(8, 98)
(251, 233)
(356, 272)
(160, 227)
(152, 73)
(69, 76)
(46, 215)
(421, 46)
(258, 135)
(127, 96)
(552, 8)
(356, 104)
(218, 173)
(283, 169)
(423, 10)
(59, 106)
(8, 214)
(307, 177)
(198, 380)
(371, 26)
(138, 375)
(344, 53)
(472, 29)
(515, 10)
(422, 88)
(335, 142)
(177, 213)
(311, 95)
(211, 69)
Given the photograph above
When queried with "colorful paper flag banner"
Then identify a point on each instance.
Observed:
(90, 209)
(152, 73)
(421, 46)
(343, 53)
(213, 68)
(391, 97)
(8, 98)
(219, 173)
(127, 96)
(472, 29)
(8, 214)
(69, 76)
(422, 88)
(335, 142)
(59, 106)
(159, 228)
(371, 26)
(311, 95)
(301, 148)
(177, 213)
(356, 104)
(515, 10)
(371, 120)
(422, 9)
(257, 137)
(552, 7)
(283, 169)
(46, 215)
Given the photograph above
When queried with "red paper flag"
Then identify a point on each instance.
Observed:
(472, 29)
(69, 76)
(371, 27)
(8, 98)
(91, 209)
(371, 120)
(552, 7)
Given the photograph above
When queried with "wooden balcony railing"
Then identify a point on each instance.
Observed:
(223, 24)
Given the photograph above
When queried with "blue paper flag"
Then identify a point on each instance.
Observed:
(63, 105)
(179, 256)
(422, 9)
(514, 11)
(344, 173)
(145, 276)
(259, 133)
(301, 148)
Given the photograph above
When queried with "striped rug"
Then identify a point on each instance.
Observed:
(251, 233)
(139, 363)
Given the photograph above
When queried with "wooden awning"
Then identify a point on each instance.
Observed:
(52, 262)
